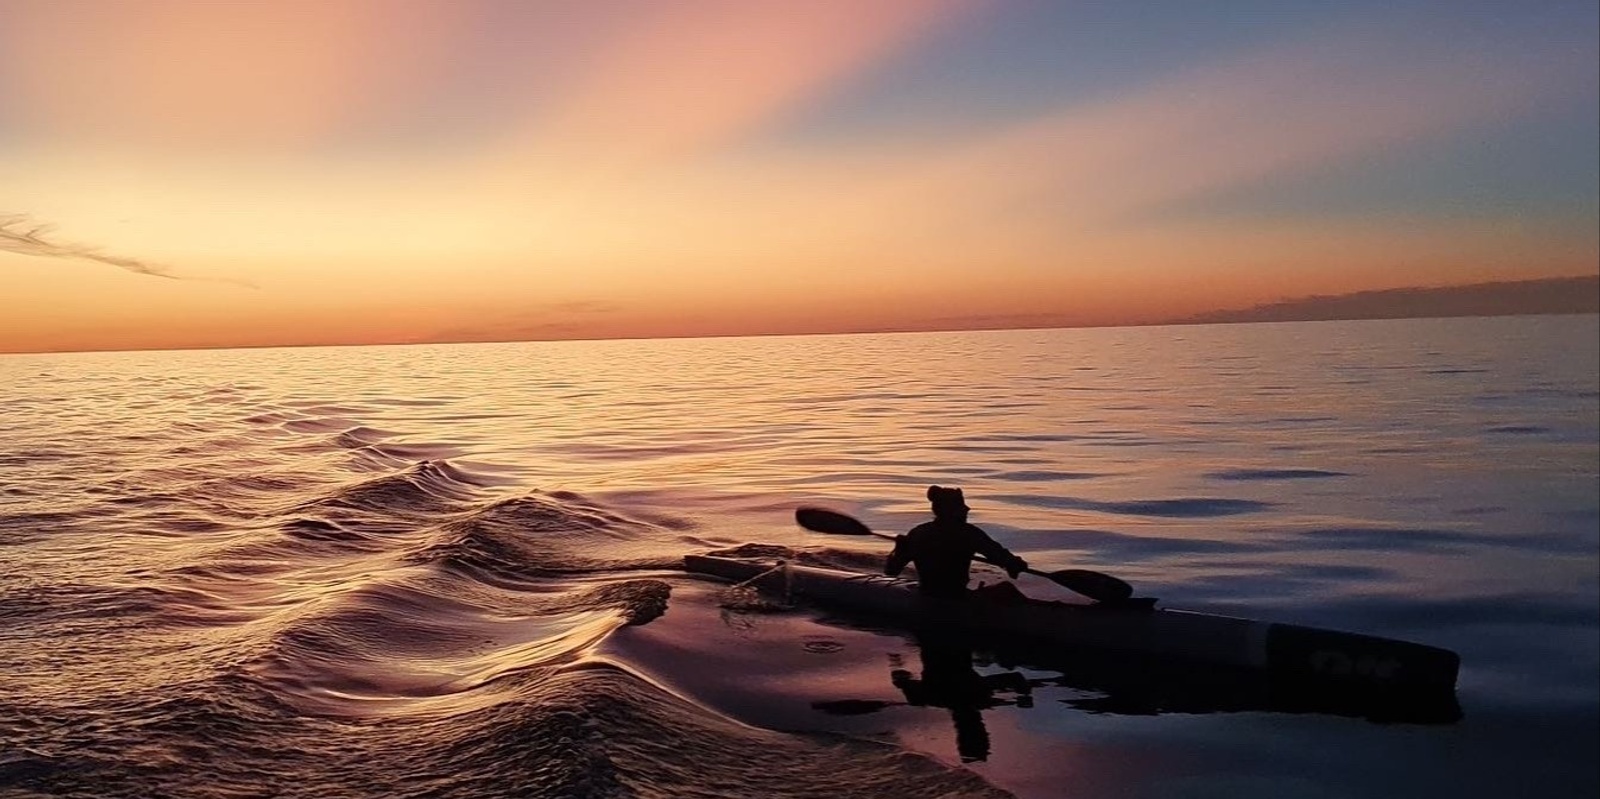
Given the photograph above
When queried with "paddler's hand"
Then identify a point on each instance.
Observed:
(897, 560)
(1016, 567)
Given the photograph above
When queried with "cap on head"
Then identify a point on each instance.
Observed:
(946, 501)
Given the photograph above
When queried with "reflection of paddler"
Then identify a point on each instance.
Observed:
(949, 681)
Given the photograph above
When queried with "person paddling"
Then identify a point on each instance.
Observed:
(943, 549)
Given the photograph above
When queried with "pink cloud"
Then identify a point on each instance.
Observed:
(190, 72)
(606, 76)
(678, 77)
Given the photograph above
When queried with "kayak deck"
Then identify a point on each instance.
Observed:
(1285, 651)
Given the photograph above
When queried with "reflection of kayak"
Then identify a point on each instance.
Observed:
(1283, 650)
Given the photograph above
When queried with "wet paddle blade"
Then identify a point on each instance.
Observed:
(1092, 584)
(822, 520)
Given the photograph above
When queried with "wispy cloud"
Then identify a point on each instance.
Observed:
(678, 78)
(1301, 107)
(21, 235)
(614, 79)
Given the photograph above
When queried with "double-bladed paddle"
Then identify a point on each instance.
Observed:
(1092, 584)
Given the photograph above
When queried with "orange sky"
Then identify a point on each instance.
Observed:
(370, 171)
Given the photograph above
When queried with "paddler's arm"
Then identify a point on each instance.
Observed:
(899, 557)
(997, 554)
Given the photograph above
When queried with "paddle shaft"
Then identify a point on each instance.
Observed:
(1097, 586)
(887, 537)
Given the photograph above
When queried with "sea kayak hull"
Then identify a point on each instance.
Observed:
(1283, 650)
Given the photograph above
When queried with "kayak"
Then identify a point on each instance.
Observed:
(1287, 651)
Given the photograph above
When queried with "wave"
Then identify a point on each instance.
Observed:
(1106, 547)
(1044, 476)
(360, 436)
(525, 538)
(1273, 474)
(427, 488)
(595, 732)
(1519, 429)
(1182, 508)
(1425, 539)
(318, 424)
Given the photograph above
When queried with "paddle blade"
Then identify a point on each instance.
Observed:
(822, 520)
(1094, 585)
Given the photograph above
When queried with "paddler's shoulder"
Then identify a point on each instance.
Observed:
(943, 528)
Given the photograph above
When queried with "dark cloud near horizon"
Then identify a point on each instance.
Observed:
(551, 320)
(19, 234)
(1554, 295)
(1004, 321)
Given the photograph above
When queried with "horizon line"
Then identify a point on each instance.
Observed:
(882, 332)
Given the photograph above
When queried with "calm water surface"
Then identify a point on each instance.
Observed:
(441, 570)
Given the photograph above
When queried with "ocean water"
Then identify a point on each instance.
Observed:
(453, 570)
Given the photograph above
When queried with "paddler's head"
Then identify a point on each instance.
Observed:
(947, 503)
